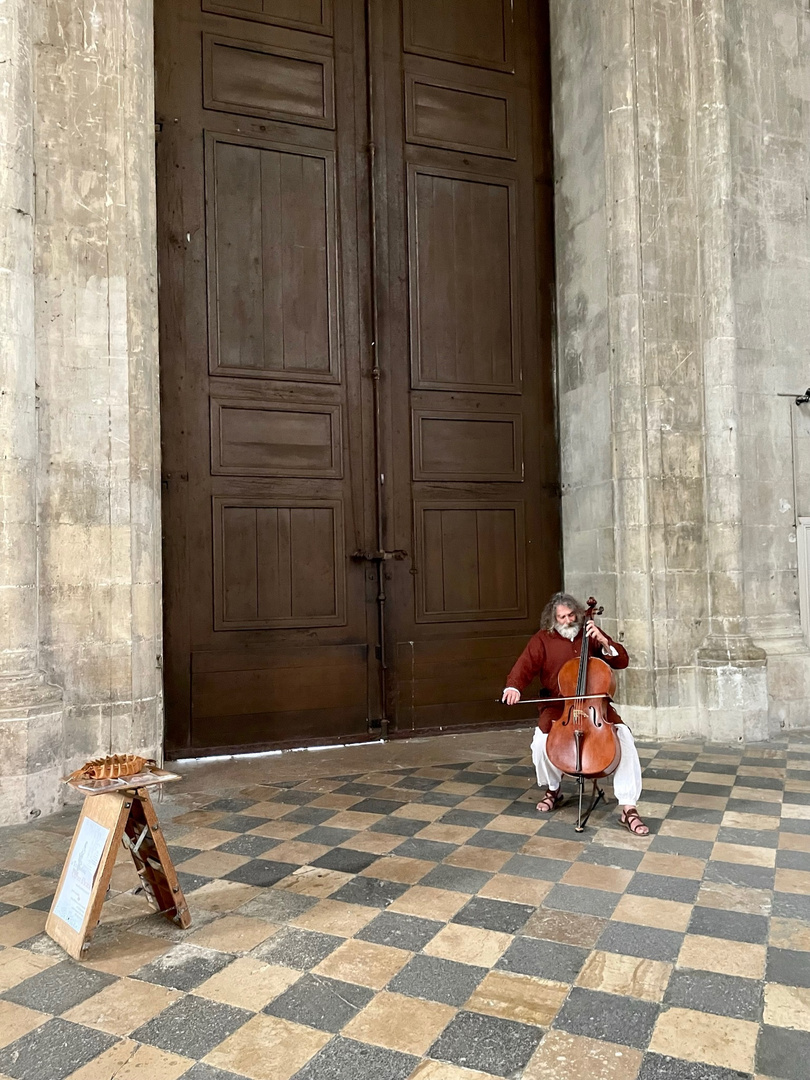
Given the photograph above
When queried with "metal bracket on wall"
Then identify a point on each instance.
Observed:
(798, 400)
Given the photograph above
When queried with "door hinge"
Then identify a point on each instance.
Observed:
(379, 556)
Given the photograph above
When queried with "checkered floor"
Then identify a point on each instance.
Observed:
(427, 922)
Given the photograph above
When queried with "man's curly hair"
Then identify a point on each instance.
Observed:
(548, 618)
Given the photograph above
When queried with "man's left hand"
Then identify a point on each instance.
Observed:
(593, 631)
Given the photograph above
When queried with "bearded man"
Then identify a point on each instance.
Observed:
(559, 641)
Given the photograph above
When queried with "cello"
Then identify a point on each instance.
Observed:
(582, 741)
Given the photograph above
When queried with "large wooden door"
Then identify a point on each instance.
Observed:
(465, 298)
(354, 254)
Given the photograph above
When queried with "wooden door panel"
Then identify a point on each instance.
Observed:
(312, 15)
(464, 317)
(475, 32)
(464, 444)
(456, 116)
(273, 260)
(275, 439)
(254, 79)
(471, 561)
(278, 565)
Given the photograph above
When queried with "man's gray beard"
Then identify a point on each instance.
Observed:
(569, 632)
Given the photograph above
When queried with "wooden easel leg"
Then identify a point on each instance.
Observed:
(144, 839)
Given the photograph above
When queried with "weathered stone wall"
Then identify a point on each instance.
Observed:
(769, 95)
(79, 442)
(703, 106)
(96, 347)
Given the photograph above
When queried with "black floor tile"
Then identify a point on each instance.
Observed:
(326, 834)
(793, 860)
(694, 813)
(190, 882)
(8, 877)
(401, 931)
(434, 979)
(469, 819)
(360, 790)
(497, 841)
(43, 904)
(345, 1059)
(240, 823)
(296, 797)
(751, 877)
(277, 905)
(768, 838)
(346, 860)
(230, 806)
(532, 866)
(310, 815)
(801, 826)
(296, 948)
(709, 992)
(318, 1002)
(58, 988)
(500, 915)
(582, 900)
(603, 855)
(681, 845)
(732, 925)
(718, 767)
(598, 1015)
(57, 1046)
(780, 1052)
(692, 787)
(659, 1067)
(440, 798)
(524, 808)
(754, 806)
(376, 806)
(644, 941)
(789, 967)
(428, 850)
(183, 967)
(192, 1026)
(543, 959)
(486, 1044)
(456, 879)
(201, 1071)
(250, 844)
(764, 783)
(180, 854)
(261, 872)
(661, 887)
(417, 783)
(791, 906)
(370, 892)
(398, 826)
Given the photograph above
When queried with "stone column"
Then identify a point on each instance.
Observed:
(732, 679)
(30, 709)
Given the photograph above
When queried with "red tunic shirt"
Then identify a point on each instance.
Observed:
(544, 656)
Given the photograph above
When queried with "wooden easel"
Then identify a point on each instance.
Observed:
(125, 816)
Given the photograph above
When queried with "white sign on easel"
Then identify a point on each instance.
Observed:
(76, 889)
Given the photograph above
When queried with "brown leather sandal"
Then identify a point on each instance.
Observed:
(632, 822)
(550, 801)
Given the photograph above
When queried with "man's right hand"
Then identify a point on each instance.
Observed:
(510, 696)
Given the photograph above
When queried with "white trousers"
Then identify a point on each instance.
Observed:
(626, 778)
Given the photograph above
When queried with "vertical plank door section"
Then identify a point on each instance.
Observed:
(467, 305)
(279, 459)
(270, 625)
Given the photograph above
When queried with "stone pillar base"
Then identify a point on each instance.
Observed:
(732, 684)
(31, 750)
